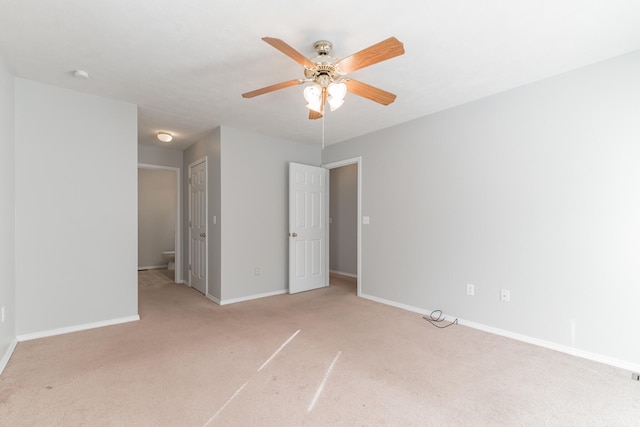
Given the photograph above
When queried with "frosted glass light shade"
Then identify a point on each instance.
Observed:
(313, 96)
(337, 92)
(165, 137)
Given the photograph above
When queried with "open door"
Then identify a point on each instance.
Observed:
(308, 268)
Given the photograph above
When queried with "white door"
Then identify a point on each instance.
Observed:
(198, 225)
(308, 268)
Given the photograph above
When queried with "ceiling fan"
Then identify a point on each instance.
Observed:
(328, 74)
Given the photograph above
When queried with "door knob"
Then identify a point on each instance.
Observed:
(203, 234)
(294, 234)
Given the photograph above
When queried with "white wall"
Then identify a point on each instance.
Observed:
(156, 215)
(7, 206)
(76, 208)
(255, 194)
(343, 208)
(159, 156)
(536, 190)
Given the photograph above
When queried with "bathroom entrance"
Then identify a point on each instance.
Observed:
(159, 219)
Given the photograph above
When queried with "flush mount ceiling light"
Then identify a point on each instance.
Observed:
(165, 137)
(328, 74)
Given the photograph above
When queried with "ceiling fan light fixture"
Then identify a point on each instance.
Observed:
(165, 137)
(337, 92)
(326, 72)
(334, 103)
(313, 96)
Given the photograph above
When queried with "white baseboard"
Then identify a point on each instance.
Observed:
(342, 273)
(7, 355)
(250, 297)
(634, 367)
(623, 364)
(83, 327)
(153, 267)
(214, 299)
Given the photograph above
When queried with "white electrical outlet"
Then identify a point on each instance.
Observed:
(470, 289)
(257, 271)
(504, 295)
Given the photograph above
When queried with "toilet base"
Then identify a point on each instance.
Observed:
(171, 265)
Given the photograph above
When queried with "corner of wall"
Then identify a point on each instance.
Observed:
(7, 213)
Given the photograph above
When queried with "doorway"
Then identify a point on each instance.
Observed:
(345, 228)
(159, 219)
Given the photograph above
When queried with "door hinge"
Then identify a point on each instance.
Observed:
(189, 267)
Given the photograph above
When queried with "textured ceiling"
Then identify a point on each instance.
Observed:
(186, 63)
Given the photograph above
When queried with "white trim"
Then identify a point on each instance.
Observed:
(346, 162)
(179, 274)
(623, 364)
(251, 297)
(214, 299)
(341, 273)
(7, 355)
(153, 267)
(77, 328)
(635, 367)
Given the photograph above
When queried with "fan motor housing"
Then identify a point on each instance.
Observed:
(325, 64)
(323, 47)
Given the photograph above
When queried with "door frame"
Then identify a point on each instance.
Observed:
(178, 275)
(333, 165)
(206, 221)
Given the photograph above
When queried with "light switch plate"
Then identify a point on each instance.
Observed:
(365, 220)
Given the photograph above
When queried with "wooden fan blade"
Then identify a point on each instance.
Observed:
(379, 52)
(272, 88)
(367, 91)
(313, 115)
(289, 51)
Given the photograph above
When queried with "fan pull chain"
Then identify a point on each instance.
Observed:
(323, 131)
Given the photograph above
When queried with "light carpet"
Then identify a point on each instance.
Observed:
(319, 358)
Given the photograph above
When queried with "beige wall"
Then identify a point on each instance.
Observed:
(156, 215)
(343, 211)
